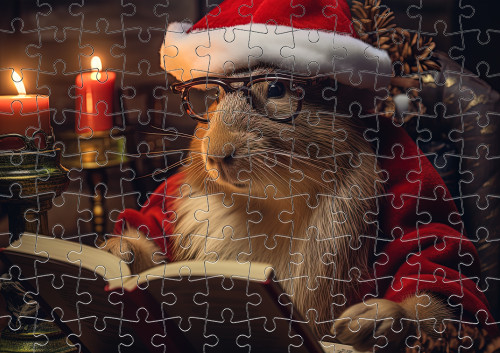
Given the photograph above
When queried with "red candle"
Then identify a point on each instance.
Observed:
(94, 99)
(24, 115)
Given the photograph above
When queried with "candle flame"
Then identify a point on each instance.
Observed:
(96, 65)
(18, 81)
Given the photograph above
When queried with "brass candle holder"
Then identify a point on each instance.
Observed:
(94, 153)
(30, 178)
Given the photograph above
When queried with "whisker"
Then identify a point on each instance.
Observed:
(296, 156)
(322, 183)
(267, 170)
(179, 162)
(177, 150)
(306, 162)
(177, 132)
(166, 169)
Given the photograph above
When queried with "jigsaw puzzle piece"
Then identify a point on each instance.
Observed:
(137, 38)
(54, 46)
(102, 37)
(228, 342)
(473, 39)
(16, 57)
(183, 315)
(204, 311)
(29, 309)
(222, 314)
(137, 335)
(256, 321)
(69, 297)
(129, 326)
(13, 284)
(20, 12)
(25, 121)
(263, 331)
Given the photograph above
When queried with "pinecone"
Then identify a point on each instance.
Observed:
(455, 339)
(414, 52)
(374, 25)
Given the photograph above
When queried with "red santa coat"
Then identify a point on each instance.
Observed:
(421, 247)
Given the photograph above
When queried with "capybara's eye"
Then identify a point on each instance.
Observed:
(276, 90)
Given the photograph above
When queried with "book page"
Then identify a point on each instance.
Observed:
(259, 272)
(330, 347)
(70, 253)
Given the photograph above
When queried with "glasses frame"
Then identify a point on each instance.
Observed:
(182, 88)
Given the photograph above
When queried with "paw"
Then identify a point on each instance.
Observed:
(374, 322)
(133, 247)
(119, 246)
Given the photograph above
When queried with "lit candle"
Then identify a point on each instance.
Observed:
(94, 99)
(24, 114)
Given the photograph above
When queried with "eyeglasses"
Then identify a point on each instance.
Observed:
(277, 96)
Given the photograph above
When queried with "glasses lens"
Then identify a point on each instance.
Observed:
(276, 99)
(203, 98)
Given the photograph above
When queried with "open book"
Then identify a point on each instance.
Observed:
(191, 306)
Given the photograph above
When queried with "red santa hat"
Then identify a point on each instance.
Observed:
(310, 38)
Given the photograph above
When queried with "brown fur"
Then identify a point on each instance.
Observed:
(324, 231)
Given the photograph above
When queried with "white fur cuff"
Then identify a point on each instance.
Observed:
(187, 55)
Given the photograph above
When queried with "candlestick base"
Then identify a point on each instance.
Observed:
(30, 178)
(28, 182)
(94, 153)
(56, 341)
(102, 149)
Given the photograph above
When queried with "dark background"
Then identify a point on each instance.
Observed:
(50, 44)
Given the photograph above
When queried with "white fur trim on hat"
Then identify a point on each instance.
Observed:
(310, 52)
